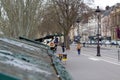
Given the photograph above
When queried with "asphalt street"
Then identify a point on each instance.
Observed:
(88, 66)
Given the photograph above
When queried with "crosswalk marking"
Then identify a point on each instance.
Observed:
(94, 59)
(102, 59)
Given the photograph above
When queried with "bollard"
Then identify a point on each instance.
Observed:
(118, 55)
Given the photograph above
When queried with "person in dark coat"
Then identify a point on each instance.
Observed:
(63, 47)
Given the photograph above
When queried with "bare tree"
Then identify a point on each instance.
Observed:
(23, 16)
(67, 11)
(32, 17)
(49, 21)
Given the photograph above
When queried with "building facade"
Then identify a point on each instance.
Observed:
(115, 20)
(110, 20)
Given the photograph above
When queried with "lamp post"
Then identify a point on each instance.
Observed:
(98, 31)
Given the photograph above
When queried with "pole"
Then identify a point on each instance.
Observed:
(98, 34)
(118, 55)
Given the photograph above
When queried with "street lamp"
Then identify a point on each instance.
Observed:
(98, 32)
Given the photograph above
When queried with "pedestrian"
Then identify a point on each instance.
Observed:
(83, 44)
(78, 48)
(63, 47)
(52, 46)
(56, 43)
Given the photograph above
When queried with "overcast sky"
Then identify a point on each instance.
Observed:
(104, 3)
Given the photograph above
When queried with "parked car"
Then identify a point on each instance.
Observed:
(114, 42)
(118, 43)
(91, 42)
(46, 41)
(106, 42)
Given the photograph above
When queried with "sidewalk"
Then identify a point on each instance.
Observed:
(85, 67)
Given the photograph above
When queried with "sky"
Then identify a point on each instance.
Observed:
(103, 3)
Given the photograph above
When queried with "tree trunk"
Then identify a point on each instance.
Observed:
(66, 41)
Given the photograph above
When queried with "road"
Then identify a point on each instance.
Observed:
(88, 66)
(108, 52)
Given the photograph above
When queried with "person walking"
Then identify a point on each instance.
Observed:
(63, 47)
(78, 48)
(56, 43)
(52, 46)
(83, 44)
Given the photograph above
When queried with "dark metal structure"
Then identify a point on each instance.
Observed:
(98, 11)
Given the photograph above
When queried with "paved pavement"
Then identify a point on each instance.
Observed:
(88, 66)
